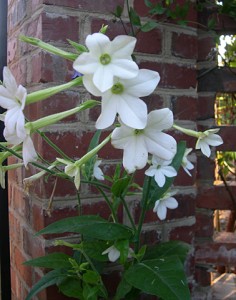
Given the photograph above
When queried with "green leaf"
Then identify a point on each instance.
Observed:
(90, 292)
(94, 249)
(134, 17)
(51, 261)
(90, 226)
(158, 10)
(164, 278)
(170, 248)
(148, 3)
(118, 11)
(91, 277)
(71, 287)
(123, 289)
(148, 26)
(51, 278)
(119, 186)
(78, 47)
(123, 247)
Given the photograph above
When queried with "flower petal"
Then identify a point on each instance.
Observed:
(21, 94)
(122, 136)
(103, 77)
(9, 81)
(28, 151)
(6, 99)
(160, 119)
(169, 171)
(96, 43)
(132, 111)
(213, 140)
(124, 68)
(135, 155)
(143, 84)
(170, 203)
(160, 178)
(90, 86)
(122, 46)
(86, 63)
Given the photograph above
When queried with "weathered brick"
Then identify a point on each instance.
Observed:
(204, 224)
(184, 46)
(184, 108)
(173, 75)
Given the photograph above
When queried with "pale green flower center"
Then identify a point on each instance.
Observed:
(105, 59)
(117, 88)
(138, 131)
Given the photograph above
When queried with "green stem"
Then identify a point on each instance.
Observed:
(52, 145)
(128, 213)
(132, 27)
(143, 213)
(109, 204)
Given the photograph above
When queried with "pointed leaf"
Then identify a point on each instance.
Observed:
(71, 287)
(51, 261)
(164, 278)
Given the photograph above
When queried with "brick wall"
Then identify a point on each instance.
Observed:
(171, 50)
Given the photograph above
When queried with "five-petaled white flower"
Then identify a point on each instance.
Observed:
(97, 172)
(162, 204)
(186, 164)
(13, 98)
(72, 170)
(208, 138)
(107, 59)
(137, 143)
(123, 98)
(160, 169)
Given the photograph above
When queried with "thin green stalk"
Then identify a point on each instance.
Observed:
(51, 144)
(113, 213)
(102, 185)
(143, 213)
(132, 27)
(128, 213)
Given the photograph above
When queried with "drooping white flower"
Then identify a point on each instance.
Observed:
(107, 59)
(162, 204)
(123, 98)
(208, 138)
(13, 98)
(97, 172)
(72, 170)
(114, 253)
(186, 164)
(138, 143)
(160, 169)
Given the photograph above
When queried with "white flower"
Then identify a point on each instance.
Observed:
(123, 98)
(186, 164)
(208, 138)
(162, 204)
(72, 170)
(114, 253)
(13, 98)
(138, 143)
(97, 172)
(160, 169)
(107, 59)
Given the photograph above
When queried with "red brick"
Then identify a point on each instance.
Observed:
(114, 28)
(220, 252)
(205, 107)
(184, 108)
(57, 27)
(32, 245)
(204, 225)
(173, 75)
(184, 46)
(228, 134)
(84, 5)
(206, 169)
(202, 276)
(215, 197)
(205, 46)
(183, 233)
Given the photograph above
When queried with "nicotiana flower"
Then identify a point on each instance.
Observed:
(97, 172)
(114, 253)
(137, 143)
(186, 164)
(160, 169)
(162, 204)
(107, 59)
(13, 98)
(123, 98)
(72, 170)
(208, 138)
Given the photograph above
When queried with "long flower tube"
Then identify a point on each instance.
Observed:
(52, 119)
(49, 48)
(48, 92)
